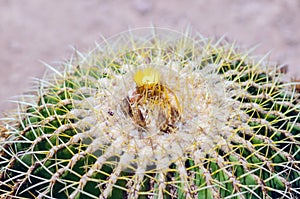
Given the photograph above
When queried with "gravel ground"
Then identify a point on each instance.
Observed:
(35, 30)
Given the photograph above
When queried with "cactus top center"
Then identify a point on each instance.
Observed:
(157, 114)
(152, 101)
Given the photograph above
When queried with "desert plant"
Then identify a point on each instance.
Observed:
(154, 113)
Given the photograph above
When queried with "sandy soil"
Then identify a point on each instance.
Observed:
(35, 30)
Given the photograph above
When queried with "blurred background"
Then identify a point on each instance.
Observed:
(33, 30)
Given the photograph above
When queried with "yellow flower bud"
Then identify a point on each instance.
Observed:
(148, 76)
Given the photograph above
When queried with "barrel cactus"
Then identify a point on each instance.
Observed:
(154, 113)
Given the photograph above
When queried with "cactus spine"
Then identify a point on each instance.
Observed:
(155, 114)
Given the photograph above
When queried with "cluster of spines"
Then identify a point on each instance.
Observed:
(261, 161)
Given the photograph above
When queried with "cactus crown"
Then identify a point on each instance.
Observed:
(156, 114)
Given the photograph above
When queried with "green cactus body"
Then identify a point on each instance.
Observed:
(155, 114)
